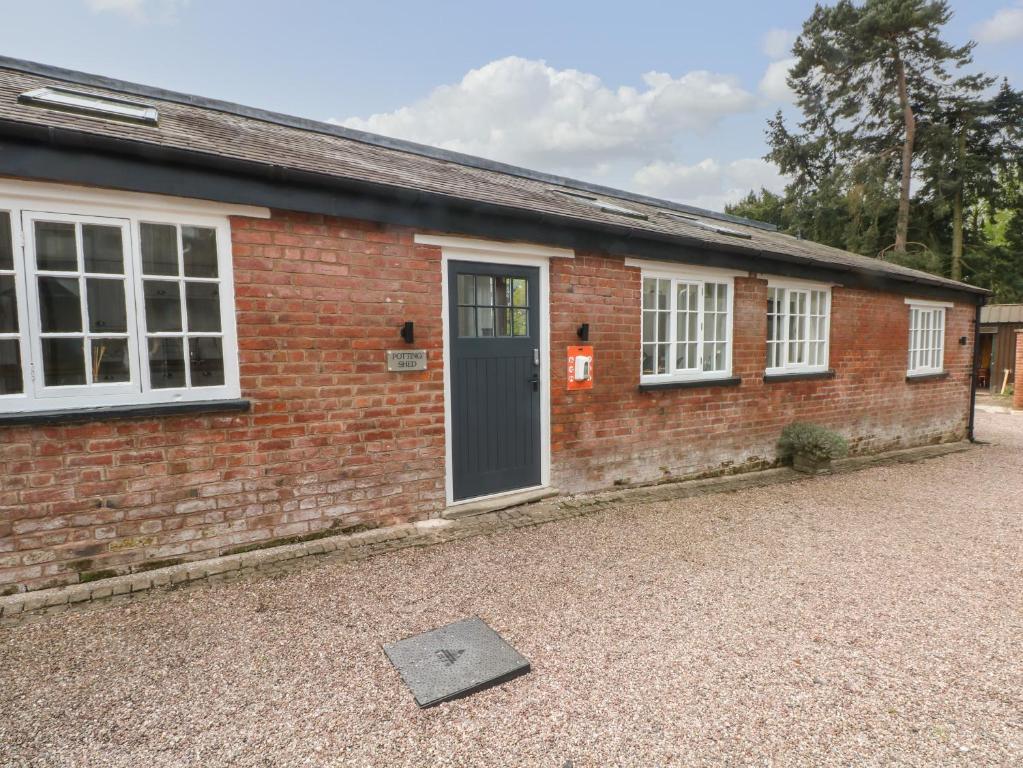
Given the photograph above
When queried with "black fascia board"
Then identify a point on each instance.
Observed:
(56, 154)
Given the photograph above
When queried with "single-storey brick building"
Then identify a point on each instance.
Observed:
(223, 328)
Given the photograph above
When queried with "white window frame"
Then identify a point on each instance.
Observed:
(27, 201)
(786, 366)
(922, 316)
(696, 276)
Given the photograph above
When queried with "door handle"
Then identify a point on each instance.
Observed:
(535, 381)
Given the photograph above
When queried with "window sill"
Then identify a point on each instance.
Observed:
(151, 410)
(690, 384)
(926, 376)
(771, 378)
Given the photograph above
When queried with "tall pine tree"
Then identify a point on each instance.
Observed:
(862, 72)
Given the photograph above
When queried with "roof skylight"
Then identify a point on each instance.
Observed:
(692, 220)
(604, 205)
(91, 104)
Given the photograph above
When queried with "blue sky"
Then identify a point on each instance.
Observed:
(665, 98)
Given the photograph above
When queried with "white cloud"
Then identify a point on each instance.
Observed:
(773, 85)
(777, 43)
(162, 11)
(1004, 27)
(526, 112)
(708, 184)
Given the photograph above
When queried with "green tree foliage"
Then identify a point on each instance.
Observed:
(861, 73)
(969, 146)
(883, 103)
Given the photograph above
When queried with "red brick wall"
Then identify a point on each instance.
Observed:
(616, 434)
(334, 440)
(1017, 391)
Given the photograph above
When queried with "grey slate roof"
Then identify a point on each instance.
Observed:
(242, 133)
(1002, 313)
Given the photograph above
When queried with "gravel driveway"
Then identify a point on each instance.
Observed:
(874, 618)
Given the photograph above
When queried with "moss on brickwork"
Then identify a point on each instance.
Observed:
(152, 565)
(106, 573)
(332, 530)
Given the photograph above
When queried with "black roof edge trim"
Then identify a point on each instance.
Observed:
(173, 171)
(333, 129)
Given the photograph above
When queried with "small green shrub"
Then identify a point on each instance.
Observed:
(811, 440)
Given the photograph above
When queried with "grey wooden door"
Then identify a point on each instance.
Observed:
(495, 382)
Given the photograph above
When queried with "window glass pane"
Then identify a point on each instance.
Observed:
(662, 325)
(484, 319)
(664, 294)
(662, 358)
(199, 252)
(60, 304)
(520, 322)
(520, 292)
(709, 327)
(649, 326)
(109, 359)
(101, 247)
(466, 290)
(720, 332)
(10, 367)
(502, 291)
(504, 318)
(649, 293)
(466, 322)
(63, 362)
(163, 306)
(206, 357)
(484, 290)
(8, 305)
(106, 306)
(202, 304)
(6, 242)
(682, 297)
(55, 246)
(681, 327)
(686, 356)
(159, 249)
(166, 363)
(649, 353)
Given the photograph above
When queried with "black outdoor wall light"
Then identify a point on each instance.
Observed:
(583, 332)
(408, 332)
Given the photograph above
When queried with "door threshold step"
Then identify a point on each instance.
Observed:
(483, 506)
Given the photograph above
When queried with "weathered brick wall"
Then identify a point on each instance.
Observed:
(334, 440)
(1017, 391)
(616, 434)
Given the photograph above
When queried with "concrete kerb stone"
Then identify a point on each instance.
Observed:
(357, 546)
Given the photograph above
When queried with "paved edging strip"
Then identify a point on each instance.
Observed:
(423, 533)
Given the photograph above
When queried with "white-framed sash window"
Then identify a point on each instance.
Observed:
(106, 305)
(798, 327)
(686, 326)
(926, 338)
